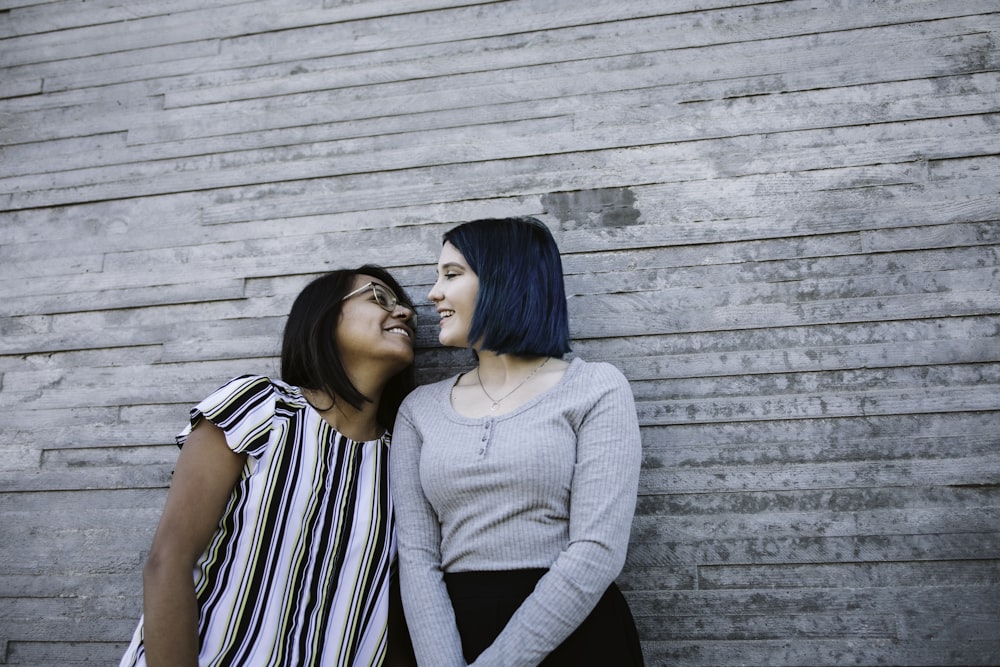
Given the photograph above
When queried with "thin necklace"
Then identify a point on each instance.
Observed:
(496, 401)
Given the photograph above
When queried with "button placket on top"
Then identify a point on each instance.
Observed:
(484, 443)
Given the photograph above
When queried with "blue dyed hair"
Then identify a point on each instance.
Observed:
(521, 305)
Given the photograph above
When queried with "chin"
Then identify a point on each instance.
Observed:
(447, 341)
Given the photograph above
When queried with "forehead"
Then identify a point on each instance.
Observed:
(450, 255)
(360, 280)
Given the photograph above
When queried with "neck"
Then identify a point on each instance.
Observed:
(359, 425)
(499, 369)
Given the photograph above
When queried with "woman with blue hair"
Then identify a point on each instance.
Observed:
(515, 483)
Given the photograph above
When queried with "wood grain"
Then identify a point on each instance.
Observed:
(780, 220)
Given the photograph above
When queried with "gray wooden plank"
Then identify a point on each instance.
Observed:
(664, 268)
(154, 222)
(6, 5)
(214, 22)
(601, 51)
(311, 45)
(913, 444)
(806, 312)
(966, 470)
(674, 551)
(34, 18)
(55, 653)
(120, 477)
(716, 442)
(824, 524)
(182, 57)
(756, 505)
(121, 584)
(52, 388)
(629, 314)
(861, 626)
(166, 383)
(155, 436)
(25, 528)
(60, 265)
(65, 552)
(749, 155)
(18, 87)
(819, 653)
(651, 97)
(715, 119)
(663, 406)
(726, 24)
(555, 81)
(850, 575)
(75, 151)
(82, 298)
(63, 503)
(692, 161)
(626, 317)
(657, 285)
(778, 261)
(117, 221)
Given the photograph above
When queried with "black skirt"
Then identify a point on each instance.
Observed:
(485, 601)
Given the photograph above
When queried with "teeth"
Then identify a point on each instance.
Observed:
(399, 330)
(447, 313)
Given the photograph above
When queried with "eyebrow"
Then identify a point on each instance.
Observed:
(450, 265)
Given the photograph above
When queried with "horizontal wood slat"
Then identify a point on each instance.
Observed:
(778, 218)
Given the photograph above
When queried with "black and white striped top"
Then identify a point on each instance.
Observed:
(298, 570)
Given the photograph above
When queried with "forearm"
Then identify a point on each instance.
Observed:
(561, 601)
(429, 613)
(430, 617)
(602, 505)
(170, 616)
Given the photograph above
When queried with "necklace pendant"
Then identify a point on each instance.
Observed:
(494, 406)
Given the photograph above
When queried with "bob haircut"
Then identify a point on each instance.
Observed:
(521, 304)
(309, 354)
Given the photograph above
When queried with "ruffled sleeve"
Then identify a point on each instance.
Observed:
(243, 408)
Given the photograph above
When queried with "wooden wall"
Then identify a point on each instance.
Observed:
(779, 218)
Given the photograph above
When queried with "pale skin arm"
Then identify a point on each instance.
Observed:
(206, 472)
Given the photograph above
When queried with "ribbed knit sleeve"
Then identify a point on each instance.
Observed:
(604, 487)
(427, 606)
(550, 485)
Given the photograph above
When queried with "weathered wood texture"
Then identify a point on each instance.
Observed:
(779, 218)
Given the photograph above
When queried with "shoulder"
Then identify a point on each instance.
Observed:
(593, 384)
(597, 374)
(251, 393)
(243, 408)
(430, 392)
(239, 389)
(425, 400)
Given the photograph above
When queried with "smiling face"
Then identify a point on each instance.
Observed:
(366, 329)
(454, 295)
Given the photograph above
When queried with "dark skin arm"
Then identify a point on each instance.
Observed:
(206, 472)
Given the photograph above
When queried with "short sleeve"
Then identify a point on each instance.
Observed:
(243, 408)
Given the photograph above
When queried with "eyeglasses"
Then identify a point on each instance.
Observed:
(385, 298)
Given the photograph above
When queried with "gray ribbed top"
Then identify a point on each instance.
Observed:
(551, 484)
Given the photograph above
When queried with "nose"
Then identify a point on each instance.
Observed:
(435, 294)
(405, 313)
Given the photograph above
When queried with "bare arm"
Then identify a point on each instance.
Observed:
(206, 472)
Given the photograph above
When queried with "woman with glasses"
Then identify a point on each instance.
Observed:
(276, 542)
(515, 483)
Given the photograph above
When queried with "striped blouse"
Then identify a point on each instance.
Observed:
(297, 572)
